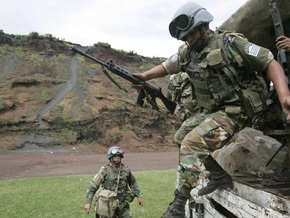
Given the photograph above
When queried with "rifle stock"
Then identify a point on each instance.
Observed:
(147, 91)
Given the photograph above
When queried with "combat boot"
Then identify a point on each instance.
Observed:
(176, 208)
(219, 178)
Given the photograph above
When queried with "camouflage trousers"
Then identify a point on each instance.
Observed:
(198, 136)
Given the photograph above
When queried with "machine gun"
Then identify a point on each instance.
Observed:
(147, 92)
(282, 56)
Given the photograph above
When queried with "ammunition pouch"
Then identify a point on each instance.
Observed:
(217, 58)
(252, 101)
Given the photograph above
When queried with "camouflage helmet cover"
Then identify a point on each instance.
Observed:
(186, 18)
(115, 150)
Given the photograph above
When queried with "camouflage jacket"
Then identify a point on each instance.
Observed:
(227, 75)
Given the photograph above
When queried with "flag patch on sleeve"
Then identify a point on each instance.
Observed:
(252, 49)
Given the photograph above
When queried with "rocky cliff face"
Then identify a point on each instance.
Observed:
(51, 96)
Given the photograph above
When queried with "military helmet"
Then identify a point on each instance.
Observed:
(186, 18)
(115, 150)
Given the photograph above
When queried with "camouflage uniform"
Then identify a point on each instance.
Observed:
(227, 65)
(179, 90)
(127, 188)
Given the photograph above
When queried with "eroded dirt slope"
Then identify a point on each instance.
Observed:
(52, 97)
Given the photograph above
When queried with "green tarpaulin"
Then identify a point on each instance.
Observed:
(254, 20)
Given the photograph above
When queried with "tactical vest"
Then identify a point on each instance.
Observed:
(219, 84)
(111, 178)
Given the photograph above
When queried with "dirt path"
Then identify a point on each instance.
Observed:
(27, 165)
(8, 65)
(72, 81)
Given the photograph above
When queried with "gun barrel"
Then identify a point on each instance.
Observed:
(73, 48)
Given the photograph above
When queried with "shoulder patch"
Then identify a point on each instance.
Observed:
(252, 49)
(174, 58)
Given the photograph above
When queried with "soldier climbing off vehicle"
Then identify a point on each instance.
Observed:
(227, 73)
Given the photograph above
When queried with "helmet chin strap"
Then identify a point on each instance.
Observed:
(199, 44)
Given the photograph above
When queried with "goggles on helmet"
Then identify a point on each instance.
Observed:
(116, 151)
(181, 23)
